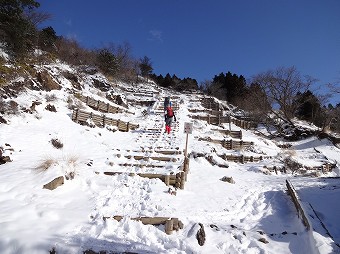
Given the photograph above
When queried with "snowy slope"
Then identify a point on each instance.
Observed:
(69, 219)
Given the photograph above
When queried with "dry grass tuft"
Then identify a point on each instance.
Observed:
(72, 160)
(45, 164)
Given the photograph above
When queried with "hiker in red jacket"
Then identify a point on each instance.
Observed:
(169, 116)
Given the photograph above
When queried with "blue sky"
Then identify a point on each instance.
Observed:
(200, 39)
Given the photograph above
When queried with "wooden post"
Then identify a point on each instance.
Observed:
(167, 180)
(186, 175)
(97, 105)
(182, 180)
(178, 180)
(107, 107)
(187, 165)
(76, 115)
(128, 126)
(229, 123)
(169, 225)
(231, 144)
(186, 146)
(87, 100)
(240, 136)
(175, 222)
(103, 120)
(242, 159)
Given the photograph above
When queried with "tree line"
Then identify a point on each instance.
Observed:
(281, 92)
(174, 82)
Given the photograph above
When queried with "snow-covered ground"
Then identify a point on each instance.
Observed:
(235, 216)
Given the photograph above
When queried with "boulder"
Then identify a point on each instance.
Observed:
(47, 81)
(4, 159)
(200, 235)
(51, 108)
(263, 240)
(2, 120)
(54, 183)
(73, 78)
(228, 179)
(101, 85)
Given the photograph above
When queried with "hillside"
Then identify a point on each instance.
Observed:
(104, 144)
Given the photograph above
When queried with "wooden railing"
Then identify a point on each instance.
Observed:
(233, 134)
(241, 158)
(208, 111)
(296, 201)
(170, 223)
(176, 180)
(219, 119)
(229, 144)
(210, 103)
(212, 119)
(169, 180)
(100, 105)
(80, 116)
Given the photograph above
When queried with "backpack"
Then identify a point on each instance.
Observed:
(167, 101)
(169, 112)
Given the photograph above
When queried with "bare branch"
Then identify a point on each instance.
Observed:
(281, 87)
(36, 17)
(335, 88)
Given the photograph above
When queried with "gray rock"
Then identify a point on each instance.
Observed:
(54, 183)
(228, 179)
(200, 236)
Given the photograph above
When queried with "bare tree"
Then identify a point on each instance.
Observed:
(258, 106)
(145, 66)
(125, 62)
(281, 87)
(335, 123)
(330, 119)
(37, 17)
(335, 88)
(72, 52)
(205, 85)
